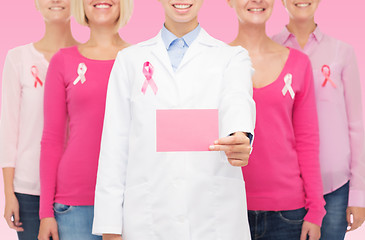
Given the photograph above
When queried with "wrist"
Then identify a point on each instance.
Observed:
(9, 193)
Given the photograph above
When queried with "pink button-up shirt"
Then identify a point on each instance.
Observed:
(21, 121)
(338, 97)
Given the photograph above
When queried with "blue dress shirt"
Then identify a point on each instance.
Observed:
(177, 47)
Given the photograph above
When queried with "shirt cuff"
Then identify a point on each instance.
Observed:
(249, 135)
(315, 216)
(46, 213)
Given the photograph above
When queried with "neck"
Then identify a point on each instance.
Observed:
(181, 29)
(104, 37)
(301, 30)
(252, 37)
(57, 35)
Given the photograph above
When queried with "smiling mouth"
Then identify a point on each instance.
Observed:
(102, 5)
(56, 8)
(302, 5)
(256, 9)
(182, 6)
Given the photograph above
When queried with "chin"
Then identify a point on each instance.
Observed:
(302, 17)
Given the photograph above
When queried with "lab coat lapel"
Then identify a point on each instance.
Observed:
(203, 41)
(160, 52)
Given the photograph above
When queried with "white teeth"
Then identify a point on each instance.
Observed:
(102, 6)
(256, 9)
(182, 6)
(302, 4)
(56, 8)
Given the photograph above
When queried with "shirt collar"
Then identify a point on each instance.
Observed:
(285, 35)
(317, 33)
(168, 37)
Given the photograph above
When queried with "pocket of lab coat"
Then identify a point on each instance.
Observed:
(231, 212)
(137, 221)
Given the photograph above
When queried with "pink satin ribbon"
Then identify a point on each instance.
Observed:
(35, 73)
(148, 72)
(81, 71)
(327, 73)
(288, 80)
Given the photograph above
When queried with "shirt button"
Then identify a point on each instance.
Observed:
(181, 43)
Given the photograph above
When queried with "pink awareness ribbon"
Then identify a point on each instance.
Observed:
(81, 70)
(327, 73)
(35, 72)
(148, 72)
(288, 80)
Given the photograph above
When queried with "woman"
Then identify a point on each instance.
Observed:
(147, 192)
(22, 117)
(341, 131)
(283, 180)
(75, 94)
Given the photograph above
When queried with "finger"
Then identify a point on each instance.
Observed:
(16, 218)
(20, 229)
(39, 236)
(236, 139)
(17, 222)
(224, 148)
(235, 155)
(303, 235)
(55, 235)
(13, 226)
(238, 163)
(312, 237)
(9, 220)
(231, 148)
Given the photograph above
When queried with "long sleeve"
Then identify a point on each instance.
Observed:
(10, 113)
(52, 144)
(305, 123)
(353, 100)
(237, 95)
(110, 186)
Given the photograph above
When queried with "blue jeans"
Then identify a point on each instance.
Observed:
(334, 224)
(29, 216)
(75, 222)
(280, 225)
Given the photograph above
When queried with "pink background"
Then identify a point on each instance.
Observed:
(21, 23)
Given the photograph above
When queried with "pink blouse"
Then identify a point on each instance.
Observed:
(21, 122)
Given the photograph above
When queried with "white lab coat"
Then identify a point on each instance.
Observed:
(148, 195)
